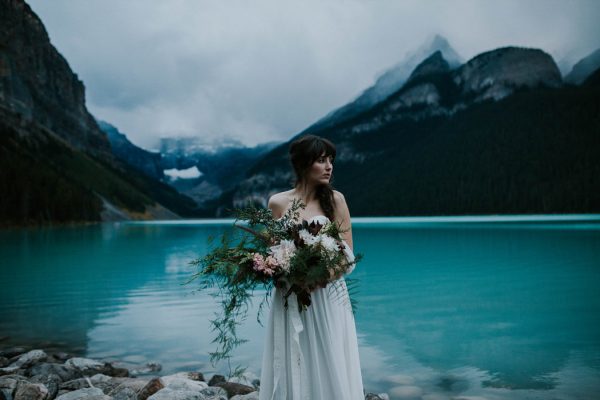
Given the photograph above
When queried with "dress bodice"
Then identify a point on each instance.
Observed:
(319, 218)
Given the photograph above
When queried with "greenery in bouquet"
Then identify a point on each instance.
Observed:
(297, 257)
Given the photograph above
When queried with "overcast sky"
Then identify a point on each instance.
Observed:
(256, 71)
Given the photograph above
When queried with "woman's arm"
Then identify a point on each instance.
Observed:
(275, 206)
(342, 216)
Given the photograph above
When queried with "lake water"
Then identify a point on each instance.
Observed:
(497, 307)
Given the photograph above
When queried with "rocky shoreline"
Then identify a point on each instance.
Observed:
(38, 374)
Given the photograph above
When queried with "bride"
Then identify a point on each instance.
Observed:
(313, 354)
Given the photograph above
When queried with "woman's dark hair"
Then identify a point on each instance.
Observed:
(304, 151)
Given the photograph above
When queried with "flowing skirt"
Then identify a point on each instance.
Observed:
(313, 354)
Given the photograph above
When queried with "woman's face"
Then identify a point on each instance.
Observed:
(321, 169)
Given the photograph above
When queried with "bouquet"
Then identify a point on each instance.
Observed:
(296, 257)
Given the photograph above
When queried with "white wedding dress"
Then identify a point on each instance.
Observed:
(313, 354)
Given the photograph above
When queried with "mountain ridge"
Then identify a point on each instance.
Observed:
(455, 95)
(387, 83)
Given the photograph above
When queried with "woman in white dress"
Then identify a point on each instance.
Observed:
(313, 354)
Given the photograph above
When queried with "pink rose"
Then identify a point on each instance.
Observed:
(259, 262)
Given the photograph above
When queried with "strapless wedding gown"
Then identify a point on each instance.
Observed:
(313, 354)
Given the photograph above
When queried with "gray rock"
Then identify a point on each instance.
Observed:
(64, 372)
(194, 376)
(84, 364)
(233, 388)
(380, 396)
(9, 383)
(214, 393)
(181, 382)
(100, 378)
(124, 393)
(115, 371)
(28, 359)
(103, 382)
(3, 361)
(31, 391)
(12, 371)
(99, 397)
(247, 378)
(249, 396)
(51, 381)
(173, 394)
(75, 384)
(85, 393)
(116, 385)
(89, 367)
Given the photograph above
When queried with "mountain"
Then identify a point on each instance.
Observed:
(499, 134)
(56, 164)
(37, 83)
(584, 68)
(389, 82)
(222, 167)
(435, 90)
(144, 161)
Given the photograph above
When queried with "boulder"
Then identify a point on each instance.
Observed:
(233, 388)
(249, 396)
(9, 383)
(86, 393)
(181, 382)
(174, 394)
(214, 393)
(64, 372)
(31, 391)
(28, 359)
(151, 387)
(51, 381)
(124, 393)
(88, 367)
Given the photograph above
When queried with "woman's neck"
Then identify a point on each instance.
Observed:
(305, 192)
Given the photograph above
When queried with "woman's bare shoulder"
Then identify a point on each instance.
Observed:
(281, 197)
(278, 202)
(338, 197)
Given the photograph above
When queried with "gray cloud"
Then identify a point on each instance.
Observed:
(264, 70)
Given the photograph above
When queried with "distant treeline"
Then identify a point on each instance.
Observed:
(44, 180)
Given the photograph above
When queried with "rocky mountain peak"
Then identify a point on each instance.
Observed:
(37, 84)
(495, 73)
(433, 64)
(389, 82)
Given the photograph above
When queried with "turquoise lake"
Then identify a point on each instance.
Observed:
(497, 307)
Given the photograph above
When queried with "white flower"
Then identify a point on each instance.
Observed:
(307, 237)
(328, 243)
(283, 252)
